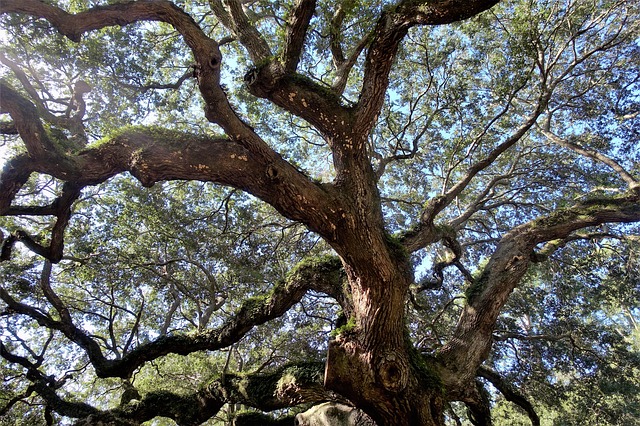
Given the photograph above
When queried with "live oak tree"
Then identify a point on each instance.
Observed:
(427, 204)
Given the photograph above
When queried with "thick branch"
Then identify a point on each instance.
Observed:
(286, 386)
(27, 122)
(13, 176)
(296, 31)
(301, 96)
(232, 15)
(440, 12)
(472, 338)
(74, 25)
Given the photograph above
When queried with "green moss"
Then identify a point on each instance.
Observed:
(397, 249)
(304, 373)
(474, 289)
(314, 265)
(425, 370)
(155, 132)
(254, 304)
(346, 328)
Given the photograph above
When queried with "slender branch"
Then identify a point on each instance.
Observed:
(424, 233)
(335, 30)
(31, 91)
(61, 208)
(46, 387)
(632, 182)
(552, 246)
(509, 393)
(529, 337)
(324, 275)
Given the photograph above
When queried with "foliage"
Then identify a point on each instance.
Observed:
(496, 174)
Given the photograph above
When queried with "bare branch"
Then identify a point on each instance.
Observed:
(296, 30)
(509, 393)
(632, 182)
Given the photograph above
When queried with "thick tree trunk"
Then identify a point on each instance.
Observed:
(384, 384)
(371, 361)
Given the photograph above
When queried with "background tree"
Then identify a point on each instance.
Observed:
(438, 201)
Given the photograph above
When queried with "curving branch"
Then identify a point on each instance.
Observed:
(487, 295)
(286, 386)
(205, 50)
(389, 32)
(73, 26)
(509, 393)
(425, 233)
(341, 62)
(153, 154)
(442, 12)
(61, 209)
(26, 120)
(323, 275)
(631, 182)
(46, 387)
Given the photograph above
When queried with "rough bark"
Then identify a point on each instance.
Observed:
(371, 362)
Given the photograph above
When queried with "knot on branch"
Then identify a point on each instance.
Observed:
(393, 371)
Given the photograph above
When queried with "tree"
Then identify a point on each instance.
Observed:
(446, 185)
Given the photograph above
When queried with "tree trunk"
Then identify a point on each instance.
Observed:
(371, 361)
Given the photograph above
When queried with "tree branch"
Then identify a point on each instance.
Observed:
(424, 233)
(286, 386)
(472, 337)
(27, 121)
(390, 30)
(631, 182)
(323, 275)
(297, 27)
(46, 387)
(509, 393)
(61, 208)
(440, 12)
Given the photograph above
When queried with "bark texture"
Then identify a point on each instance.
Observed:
(371, 362)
